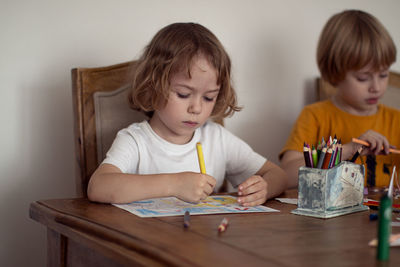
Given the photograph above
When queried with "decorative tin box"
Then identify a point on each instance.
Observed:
(327, 193)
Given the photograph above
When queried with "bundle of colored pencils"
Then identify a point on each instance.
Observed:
(325, 155)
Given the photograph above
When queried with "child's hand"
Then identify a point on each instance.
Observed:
(194, 187)
(253, 191)
(378, 143)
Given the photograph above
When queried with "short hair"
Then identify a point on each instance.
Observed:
(172, 49)
(351, 40)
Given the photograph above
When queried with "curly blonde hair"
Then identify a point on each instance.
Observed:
(172, 49)
(351, 40)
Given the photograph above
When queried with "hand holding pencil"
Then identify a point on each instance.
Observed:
(375, 143)
(194, 186)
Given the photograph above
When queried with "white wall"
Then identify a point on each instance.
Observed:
(272, 45)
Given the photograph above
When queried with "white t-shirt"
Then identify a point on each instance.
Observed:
(138, 149)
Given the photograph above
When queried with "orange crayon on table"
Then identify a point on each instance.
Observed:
(223, 225)
(364, 143)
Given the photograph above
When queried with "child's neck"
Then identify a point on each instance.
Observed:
(167, 133)
(342, 105)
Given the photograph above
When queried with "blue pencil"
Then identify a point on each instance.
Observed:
(321, 157)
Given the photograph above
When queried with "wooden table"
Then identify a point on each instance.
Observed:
(81, 233)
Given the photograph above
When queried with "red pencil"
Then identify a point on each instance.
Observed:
(327, 159)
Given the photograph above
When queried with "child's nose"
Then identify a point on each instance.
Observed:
(375, 86)
(195, 106)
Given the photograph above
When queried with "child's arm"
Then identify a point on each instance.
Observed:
(268, 182)
(109, 185)
(291, 161)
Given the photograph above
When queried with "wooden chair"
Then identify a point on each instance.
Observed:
(391, 97)
(101, 109)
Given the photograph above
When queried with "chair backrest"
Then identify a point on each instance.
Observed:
(101, 109)
(391, 97)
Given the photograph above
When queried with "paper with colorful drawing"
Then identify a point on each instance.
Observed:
(171, 206)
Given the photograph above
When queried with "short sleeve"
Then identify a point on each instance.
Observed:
(124, 152)
(304, 130)
(241, 160)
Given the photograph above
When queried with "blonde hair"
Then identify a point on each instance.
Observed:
(172, 49)
(351, 40)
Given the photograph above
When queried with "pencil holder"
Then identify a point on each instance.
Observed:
(327, 193)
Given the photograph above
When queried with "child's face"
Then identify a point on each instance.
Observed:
(190, 104)
(361, 90)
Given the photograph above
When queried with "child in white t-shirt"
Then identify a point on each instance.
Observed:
(182, 80)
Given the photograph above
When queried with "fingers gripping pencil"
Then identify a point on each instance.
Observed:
(364, 143)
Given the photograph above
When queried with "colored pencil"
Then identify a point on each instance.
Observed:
(355, 156)
(223, 225)
(327, 159)
(310, 155)
(186, 219)
(320, 145)
(314, 155)
(321, 157)
(306, 156)
(341, 150)
(200, 157)
(364, 143)
(332, 160)
(338, 154)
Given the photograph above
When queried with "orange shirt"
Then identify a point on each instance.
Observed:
(324, 119)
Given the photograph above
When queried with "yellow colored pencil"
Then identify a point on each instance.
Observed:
(200, 157)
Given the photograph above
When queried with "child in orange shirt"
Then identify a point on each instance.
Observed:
(354, 54)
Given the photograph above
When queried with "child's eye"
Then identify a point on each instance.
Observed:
(362, 79)
(208, 99)
(383, 75)
(182, 95)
